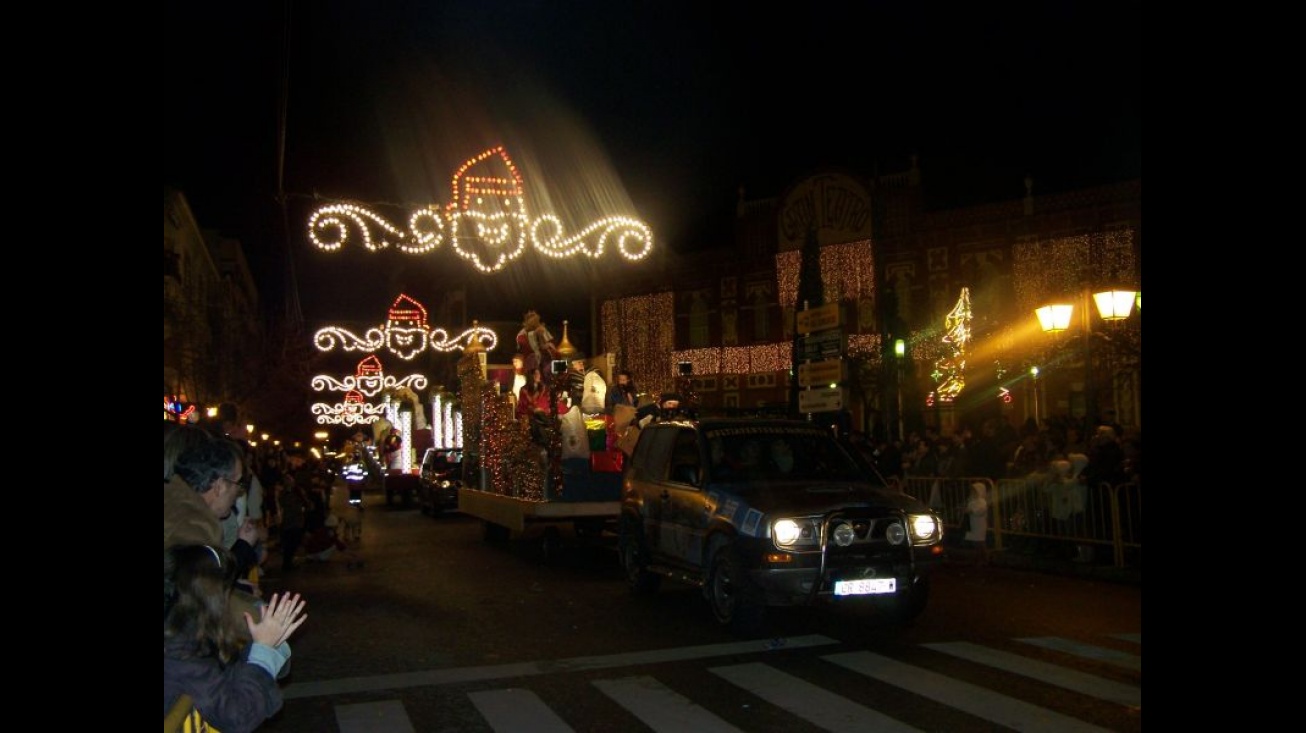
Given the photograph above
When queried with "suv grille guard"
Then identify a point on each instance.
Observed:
(835, 517)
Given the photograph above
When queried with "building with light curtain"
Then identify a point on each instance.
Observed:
(959, 287)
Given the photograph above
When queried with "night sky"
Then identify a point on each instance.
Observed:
(660, 110)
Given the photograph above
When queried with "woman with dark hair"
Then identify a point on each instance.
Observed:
(231, 683)
(533, 396)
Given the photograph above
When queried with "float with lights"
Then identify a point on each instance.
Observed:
(544, 479)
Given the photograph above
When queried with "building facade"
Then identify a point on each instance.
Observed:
(959, 287)
(212, 332)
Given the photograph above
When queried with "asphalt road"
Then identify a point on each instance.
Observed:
(441, 631)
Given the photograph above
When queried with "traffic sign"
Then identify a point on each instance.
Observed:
(827, 399)
(820, 373)
(823, 345)
(819, 318)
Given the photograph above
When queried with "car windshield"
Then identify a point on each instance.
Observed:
(779, 454)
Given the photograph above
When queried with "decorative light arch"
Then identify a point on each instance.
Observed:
(369, 379)
(354, 410)
(485, 221)
(405, 334)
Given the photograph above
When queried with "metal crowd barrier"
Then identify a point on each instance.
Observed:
(1041, 516)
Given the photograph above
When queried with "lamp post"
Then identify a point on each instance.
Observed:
(1033, 373)
(900, 353)
(1112, 305)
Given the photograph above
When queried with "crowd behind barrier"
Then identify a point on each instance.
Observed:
(1040, 515)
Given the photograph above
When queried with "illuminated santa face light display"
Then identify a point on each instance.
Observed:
(369, 379)
(354, 410)
(486, 223)
(405, 333)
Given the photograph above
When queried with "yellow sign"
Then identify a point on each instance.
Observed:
(820, 373)
(820, 318)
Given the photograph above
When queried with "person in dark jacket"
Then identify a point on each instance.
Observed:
(232, 684)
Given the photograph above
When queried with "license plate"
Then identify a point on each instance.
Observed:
(865, 586)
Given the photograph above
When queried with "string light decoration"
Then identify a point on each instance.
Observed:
(502, 445)
(1047, 269)
(635, 329)
(486, 222)
(446, 422)
(405, 333)
(847, 273)
(354, 410)
(402, 423)
(956, 337)
(369, 378)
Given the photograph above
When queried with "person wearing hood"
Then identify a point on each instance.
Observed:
(1067, 497)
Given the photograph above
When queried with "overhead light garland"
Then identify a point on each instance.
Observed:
(354, 410)
(486, 223)
(369, 378)
(405, 333)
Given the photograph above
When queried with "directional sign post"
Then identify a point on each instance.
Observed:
(826, 399)
(824, 345)
(820, 318)
(821, 346)
(820, 373)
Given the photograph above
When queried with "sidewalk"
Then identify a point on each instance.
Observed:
(1129, 575)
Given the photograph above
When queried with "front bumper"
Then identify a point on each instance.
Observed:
(798, 579)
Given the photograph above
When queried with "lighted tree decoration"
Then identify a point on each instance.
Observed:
(486, 223)
(405, 333)
(956, 337)
(493, 439)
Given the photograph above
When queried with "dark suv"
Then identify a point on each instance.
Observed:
(763, 513)
(441, 477)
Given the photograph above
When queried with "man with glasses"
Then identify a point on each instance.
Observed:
(208, 477)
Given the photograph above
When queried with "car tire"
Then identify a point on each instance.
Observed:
(735, 599)
(634, 559)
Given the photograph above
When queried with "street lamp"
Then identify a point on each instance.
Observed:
(1112, 305)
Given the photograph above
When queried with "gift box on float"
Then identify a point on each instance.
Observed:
(596, 429)
(607, 461)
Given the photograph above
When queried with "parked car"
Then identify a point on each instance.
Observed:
(439, 481)
(402, 484)
(765, 512)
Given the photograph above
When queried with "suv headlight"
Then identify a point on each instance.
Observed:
(794, 533)
(925, 528)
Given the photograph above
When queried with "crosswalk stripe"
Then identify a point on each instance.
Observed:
(1069, 679)
(1087, 651)
(812, 703)
(977, 701)
(400, 680)
(661, 708)
(515, 709)
(387, 716)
